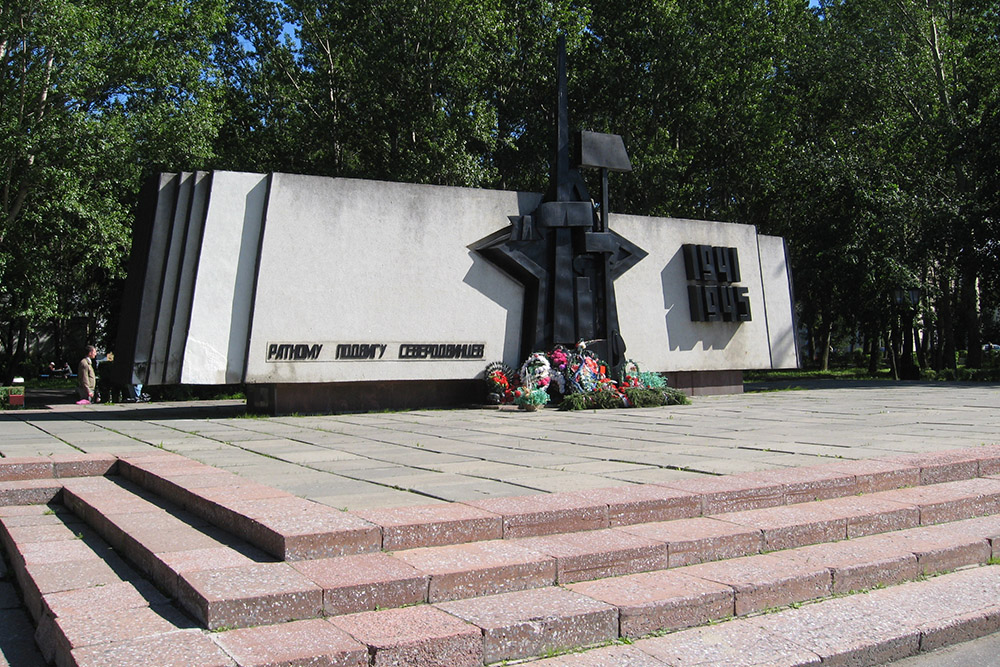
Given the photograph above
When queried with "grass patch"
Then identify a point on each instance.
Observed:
(846, 373)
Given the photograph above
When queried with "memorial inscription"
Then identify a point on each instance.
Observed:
(296, 352)
(712, 296)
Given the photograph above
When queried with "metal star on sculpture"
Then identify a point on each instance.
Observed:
(563, 252)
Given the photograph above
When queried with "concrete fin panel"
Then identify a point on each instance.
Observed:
(159, 247)
(168, 288)
(186, 277)
(221, 301)
(776, 277)
(142, 233)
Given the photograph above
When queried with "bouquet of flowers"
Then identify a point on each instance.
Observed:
(534, 380)
(500, 384)
(582, 380)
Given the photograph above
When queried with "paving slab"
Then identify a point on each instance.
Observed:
(118, 595)
(29, 491)
(903, 424)
(945, 547)
(609, 656)
(58, 636)
(644, 503)
(732, 493)
(807, 483)
(25, 467)
(730, 433)
(947, 466)
(701, 539)
(736, 643)
(598, 553)
(43, 579)
(791, 525)
(949, 501)
(433, 525)
(176, 649)
(764, 581)
(860, 564)
(546, 514)
(888, 624)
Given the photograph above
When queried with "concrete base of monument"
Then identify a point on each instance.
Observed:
(330, 397)
(706, 383)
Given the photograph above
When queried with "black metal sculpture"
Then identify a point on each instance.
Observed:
(563, 252)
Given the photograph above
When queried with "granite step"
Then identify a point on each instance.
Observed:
(285, 526)
(535, 622)
(876, 628)
(80, 593)
(291, 528)
(249, 509)
(513, 625)
(617, 572)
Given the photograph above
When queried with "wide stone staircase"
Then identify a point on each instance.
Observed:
(155, 559)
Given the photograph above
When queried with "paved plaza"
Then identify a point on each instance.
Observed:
(234, 572)
(358, 461)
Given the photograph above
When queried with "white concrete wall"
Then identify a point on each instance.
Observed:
(243, 263)
(653, 308)
(351, 261)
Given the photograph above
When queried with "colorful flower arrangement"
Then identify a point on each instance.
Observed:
(580, 380)
(534, 374)
(500, 382)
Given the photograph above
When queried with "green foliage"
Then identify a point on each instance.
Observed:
(574, 402)
(594, 400)
(96, 93)
(193, 392)
(961, 374)
(673, 396)
(638, 397)
(532, 397)
(652, 380)
(644, 398)
(867, 132)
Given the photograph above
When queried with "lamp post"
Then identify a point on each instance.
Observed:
(907, 301)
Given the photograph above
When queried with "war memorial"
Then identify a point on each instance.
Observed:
(325, 294)
(832, 526)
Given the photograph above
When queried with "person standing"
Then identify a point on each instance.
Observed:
(86, 381)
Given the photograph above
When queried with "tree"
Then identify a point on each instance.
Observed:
(93, 94)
